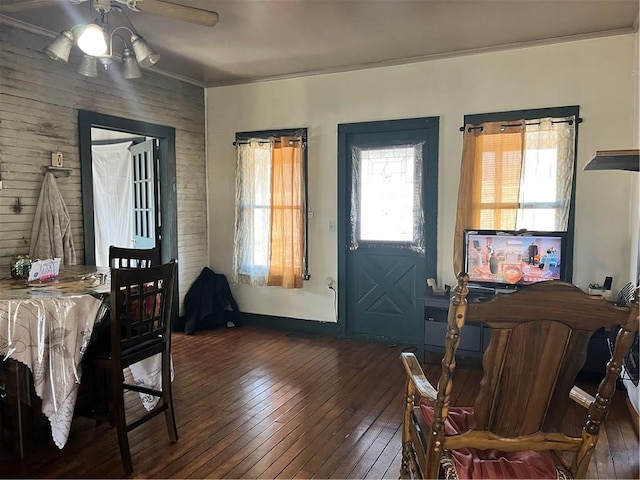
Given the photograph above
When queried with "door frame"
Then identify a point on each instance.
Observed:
(166, 174)
(429, 196)
(166, 137)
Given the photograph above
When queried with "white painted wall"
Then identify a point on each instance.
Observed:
(597, 74)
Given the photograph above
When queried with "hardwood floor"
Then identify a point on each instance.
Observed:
(257, 403)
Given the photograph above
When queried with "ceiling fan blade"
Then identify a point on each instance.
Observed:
(178, 12)
(25, 5)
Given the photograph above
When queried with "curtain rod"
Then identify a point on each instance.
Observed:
(263, 141)
(116, 141)
(570, 122)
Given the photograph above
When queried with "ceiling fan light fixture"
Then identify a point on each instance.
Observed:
(144, 55)
(60, 48)
(130, 67)
(92, 40)
(96, 40)
(88, 66)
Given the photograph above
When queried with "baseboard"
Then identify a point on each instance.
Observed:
(291, 324)
(299, 325)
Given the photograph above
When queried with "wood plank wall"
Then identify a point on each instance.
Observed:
(39, 103)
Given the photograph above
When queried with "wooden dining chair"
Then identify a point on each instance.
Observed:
(515, 429)
(140, 325)
(120, 257)
(96, 385)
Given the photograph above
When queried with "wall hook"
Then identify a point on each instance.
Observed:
(17, 206)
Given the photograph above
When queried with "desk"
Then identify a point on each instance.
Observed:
(47, 327)
(474, 338)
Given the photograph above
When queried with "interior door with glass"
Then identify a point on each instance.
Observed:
(144, 157)
(388, 176)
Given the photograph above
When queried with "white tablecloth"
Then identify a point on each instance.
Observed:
(49, 335)
(47, 327)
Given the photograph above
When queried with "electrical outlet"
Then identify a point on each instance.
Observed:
(330, 283)
(57, 160)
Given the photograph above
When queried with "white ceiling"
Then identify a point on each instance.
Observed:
(261, 39)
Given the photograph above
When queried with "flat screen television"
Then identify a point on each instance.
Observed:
(507, 259)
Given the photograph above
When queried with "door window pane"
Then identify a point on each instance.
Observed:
(387, 188)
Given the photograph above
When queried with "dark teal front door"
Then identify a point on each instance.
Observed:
(388, 181)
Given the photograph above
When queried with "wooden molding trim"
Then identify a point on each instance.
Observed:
(291, 324)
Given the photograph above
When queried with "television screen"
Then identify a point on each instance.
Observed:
(495, 258)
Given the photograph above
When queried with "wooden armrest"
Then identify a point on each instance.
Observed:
(581, 397)
(416, 376)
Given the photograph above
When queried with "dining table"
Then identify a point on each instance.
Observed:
(47, 327)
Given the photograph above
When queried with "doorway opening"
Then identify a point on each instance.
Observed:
(125, 191)
(167, 236)
(165, 228)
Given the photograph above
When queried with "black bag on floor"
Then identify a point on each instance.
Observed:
(206, 303)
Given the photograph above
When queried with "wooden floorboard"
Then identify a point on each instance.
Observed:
(258, 403)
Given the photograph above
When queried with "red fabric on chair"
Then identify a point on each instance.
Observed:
(149, 301)
(470, 463)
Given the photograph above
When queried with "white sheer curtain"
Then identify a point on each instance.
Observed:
(253, 213)
(547, 174)
(112, 198)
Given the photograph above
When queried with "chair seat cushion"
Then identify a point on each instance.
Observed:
(481, 464)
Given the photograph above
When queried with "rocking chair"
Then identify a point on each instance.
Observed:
(539, 340)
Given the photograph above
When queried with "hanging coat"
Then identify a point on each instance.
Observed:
(51, 232)
(206, 301)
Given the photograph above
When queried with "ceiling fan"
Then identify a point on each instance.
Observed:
(162, 8)
(96, 40)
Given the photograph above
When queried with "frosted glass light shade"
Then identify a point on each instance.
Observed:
(88, 66)
(130, 68)
(60, 48)
(92, 40)
(144, 55)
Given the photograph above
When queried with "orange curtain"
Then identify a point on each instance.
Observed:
(287, 216)
(490, 172)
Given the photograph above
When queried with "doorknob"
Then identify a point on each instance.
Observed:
(353, 247)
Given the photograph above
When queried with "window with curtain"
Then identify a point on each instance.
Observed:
(517, 173)
(270, 240)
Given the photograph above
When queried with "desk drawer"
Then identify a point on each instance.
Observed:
(470, 337)
(434, 315)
